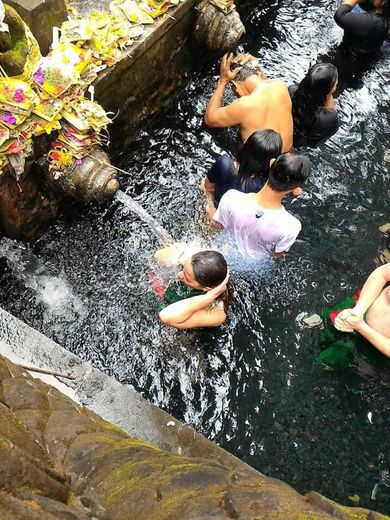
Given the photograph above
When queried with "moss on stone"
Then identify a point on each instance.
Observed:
(14, 48)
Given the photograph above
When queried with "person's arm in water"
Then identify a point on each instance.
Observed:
(175, 254)
(208, 190)
(197, 311)
(216, 115)
(352, 319)
(372, 288)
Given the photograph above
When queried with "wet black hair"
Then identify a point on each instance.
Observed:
(255, 155)
(289, 171)
(210, 268)
(310, 96)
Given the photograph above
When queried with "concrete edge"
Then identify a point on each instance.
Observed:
(102, 394)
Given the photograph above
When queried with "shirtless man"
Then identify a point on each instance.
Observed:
(262, 103)
(374, 303)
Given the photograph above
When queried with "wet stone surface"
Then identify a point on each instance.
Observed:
(71, 464)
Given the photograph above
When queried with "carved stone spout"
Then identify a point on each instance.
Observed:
(91, 178)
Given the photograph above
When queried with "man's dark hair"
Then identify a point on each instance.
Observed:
(289, 171)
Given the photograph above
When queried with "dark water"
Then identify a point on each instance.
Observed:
(252, 385)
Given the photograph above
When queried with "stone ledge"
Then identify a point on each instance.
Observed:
(105, 396)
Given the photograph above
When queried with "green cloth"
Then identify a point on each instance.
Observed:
(175, 292)
(339, 349)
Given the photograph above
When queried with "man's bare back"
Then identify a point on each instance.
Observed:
(262, 103)
(268, 107)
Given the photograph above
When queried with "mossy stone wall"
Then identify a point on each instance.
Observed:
(61, 461)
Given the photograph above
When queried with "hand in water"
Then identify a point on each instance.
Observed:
(171, 255)
(348, 321)
(221, 288)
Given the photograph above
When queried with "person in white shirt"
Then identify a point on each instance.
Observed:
(258, 223)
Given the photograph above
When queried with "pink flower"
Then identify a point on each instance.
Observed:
(38, 76)
(8, 118)
(18, 95)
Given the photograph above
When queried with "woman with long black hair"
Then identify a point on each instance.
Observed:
(249, 173)
(314, 112)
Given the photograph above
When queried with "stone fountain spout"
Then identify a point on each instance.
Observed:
(90, 178)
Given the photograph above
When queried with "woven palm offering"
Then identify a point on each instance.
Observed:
(48, 95)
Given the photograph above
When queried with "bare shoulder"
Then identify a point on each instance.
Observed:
(279, 84)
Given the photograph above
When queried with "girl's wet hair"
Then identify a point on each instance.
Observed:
(309, 97)
(289, 171)
(210, 268)
(256, 154)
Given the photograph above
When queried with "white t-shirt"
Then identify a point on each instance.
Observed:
(253, 229)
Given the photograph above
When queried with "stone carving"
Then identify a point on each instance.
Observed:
(14, 47)
(92, 179)
(219, 31)
(62, 461)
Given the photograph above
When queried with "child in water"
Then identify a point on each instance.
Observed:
(199, 299)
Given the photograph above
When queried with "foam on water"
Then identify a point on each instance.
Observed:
(53, 292)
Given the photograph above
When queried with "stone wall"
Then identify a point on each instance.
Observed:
(155, 66)
(61, 461)
(41, 16)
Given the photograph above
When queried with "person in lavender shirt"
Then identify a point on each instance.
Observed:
(257, 223)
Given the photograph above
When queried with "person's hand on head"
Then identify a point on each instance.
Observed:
(225, 72)
(221, 288)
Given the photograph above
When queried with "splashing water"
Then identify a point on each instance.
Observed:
(53, 292)
(163, 235)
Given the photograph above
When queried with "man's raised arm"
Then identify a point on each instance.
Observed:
(217, 116)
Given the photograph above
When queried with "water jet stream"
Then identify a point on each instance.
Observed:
(163, 235)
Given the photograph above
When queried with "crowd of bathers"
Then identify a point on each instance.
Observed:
(245, 195)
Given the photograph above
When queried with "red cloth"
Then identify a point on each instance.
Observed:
(157, 286)
(333, 314)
